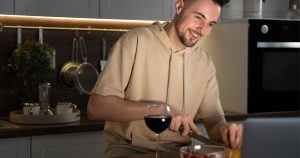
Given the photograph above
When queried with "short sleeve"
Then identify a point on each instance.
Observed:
(116, 74)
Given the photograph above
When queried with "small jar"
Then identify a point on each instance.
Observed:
(31, 109)
(63, 108)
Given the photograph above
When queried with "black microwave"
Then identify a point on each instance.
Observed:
(258, 64)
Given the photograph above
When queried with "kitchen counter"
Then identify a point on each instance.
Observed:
(173, 154)
(84, 125)
(233, 116)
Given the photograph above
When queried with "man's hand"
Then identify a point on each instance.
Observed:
(231, 134)
(182, 119)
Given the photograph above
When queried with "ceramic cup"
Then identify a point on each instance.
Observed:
(31, 109)
(65, 108)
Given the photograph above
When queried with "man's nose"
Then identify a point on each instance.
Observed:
(201, 28)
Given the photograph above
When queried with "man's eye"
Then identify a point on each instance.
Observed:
(211, 24)
(198, 17)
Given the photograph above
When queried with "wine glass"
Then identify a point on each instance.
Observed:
(158, 118)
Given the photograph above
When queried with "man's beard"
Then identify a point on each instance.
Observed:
(186, 42)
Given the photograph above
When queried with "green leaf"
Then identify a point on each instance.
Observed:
(31, 64)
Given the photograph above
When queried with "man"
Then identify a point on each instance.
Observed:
(162, 63)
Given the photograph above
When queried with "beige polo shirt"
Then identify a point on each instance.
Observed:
(143, 66)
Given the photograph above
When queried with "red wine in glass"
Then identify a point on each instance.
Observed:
(158, 123)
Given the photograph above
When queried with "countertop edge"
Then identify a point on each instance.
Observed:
(22, 130)
(87, 125)
(233, 116)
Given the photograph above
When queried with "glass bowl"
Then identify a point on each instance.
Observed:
(205, 151)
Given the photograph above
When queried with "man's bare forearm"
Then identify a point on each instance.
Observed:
(112, 108)
(213, 126)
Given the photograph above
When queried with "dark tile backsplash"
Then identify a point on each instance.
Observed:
(62, 41)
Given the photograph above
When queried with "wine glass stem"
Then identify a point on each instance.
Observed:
(157, 145)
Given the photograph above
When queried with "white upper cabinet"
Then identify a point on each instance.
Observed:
(137, 9)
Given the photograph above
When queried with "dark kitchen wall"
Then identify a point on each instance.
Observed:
(61, 40)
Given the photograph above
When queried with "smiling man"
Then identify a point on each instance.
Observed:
(162, 63)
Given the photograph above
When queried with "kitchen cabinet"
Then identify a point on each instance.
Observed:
(137, 9)
(107, 9)
(58, 8)
(15, 147)
(6, 7)
(70, 145)
(270, 9)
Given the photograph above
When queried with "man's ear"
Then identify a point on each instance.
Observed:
(179, 6)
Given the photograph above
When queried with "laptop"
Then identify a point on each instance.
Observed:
(271, 138)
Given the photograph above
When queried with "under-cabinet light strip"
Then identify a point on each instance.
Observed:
(65, 23)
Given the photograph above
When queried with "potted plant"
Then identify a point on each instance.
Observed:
(30, 62)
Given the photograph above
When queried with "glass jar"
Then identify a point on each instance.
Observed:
(44, 97)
